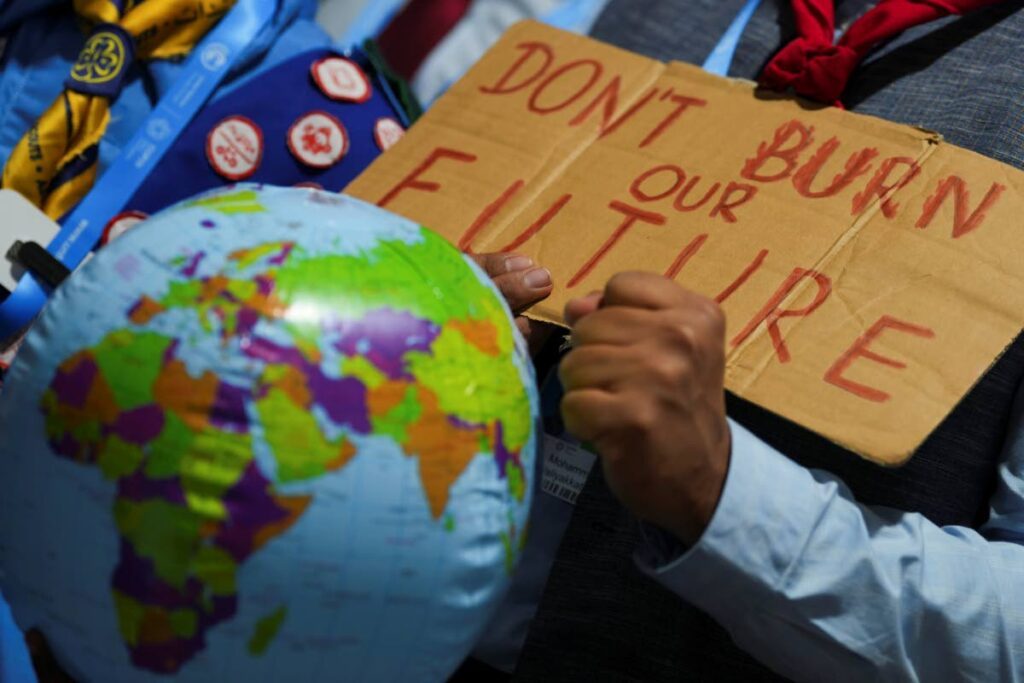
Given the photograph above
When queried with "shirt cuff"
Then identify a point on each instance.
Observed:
(768, 508)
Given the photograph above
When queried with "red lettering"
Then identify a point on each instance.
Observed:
(856, 166)
(775, 150)
(771, 314)
(680, 202)
(725, 204)
(860, 349)
(685, 255)
(595, 73)
(962, 222)
(877, 186)
(629, 113)
(538, 224)
(682, 104)
(487, 215)
(632, 215)
(611, 94)
(502, 87)
(412, 181)
(639, 194)
(752, 268)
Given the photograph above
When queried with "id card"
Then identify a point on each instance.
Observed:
(566, 467)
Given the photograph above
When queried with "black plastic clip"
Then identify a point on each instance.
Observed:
(41, 263)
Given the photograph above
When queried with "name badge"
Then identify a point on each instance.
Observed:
(566, 467)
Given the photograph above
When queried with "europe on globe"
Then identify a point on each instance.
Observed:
(269, 434)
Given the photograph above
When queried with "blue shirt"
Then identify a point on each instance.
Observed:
(815, 585)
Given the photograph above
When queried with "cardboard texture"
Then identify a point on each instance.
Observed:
(870, 272)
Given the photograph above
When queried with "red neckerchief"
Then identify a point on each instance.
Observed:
(816, 67)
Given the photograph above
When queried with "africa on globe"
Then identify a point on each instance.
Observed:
(269, 434)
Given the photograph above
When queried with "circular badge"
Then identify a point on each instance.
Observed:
(214, 56)
(387, 132)
(120, 224)
(341, 79)
(234, 147)
(102, 58)
(318, 139)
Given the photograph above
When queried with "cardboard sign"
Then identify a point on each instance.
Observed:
(870, 272)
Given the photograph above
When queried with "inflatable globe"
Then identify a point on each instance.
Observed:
(268, 435)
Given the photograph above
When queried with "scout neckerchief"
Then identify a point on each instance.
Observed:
(817, 67)
(54, 164)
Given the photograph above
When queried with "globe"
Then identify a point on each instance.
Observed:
(267, 435)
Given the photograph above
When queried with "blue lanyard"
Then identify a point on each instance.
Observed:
(720, 59)
(205, 68)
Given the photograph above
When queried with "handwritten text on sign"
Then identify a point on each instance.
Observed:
(870, 272)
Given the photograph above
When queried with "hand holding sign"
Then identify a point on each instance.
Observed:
(645, 385)
(523, 284)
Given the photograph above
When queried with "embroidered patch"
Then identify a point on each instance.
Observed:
(234, 147)
(341, 79)
(120, 224)
(318, 139)
(387, 132)
(103, 62)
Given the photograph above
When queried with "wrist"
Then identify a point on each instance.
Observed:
(703, 491)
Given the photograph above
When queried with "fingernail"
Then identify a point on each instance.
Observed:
(538, 278)
(514, 264)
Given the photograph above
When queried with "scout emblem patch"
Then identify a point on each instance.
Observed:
(387, 132)
(120, 224)
(318, 139)
(234, 147)
(341, 79)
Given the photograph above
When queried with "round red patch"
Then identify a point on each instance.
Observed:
(387, 132)
(341, 79)
(120, 224)
(234, 147)
(318, 139)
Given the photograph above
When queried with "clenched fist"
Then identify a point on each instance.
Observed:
(644, 384)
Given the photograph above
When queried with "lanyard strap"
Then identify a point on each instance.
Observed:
(203, 71)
